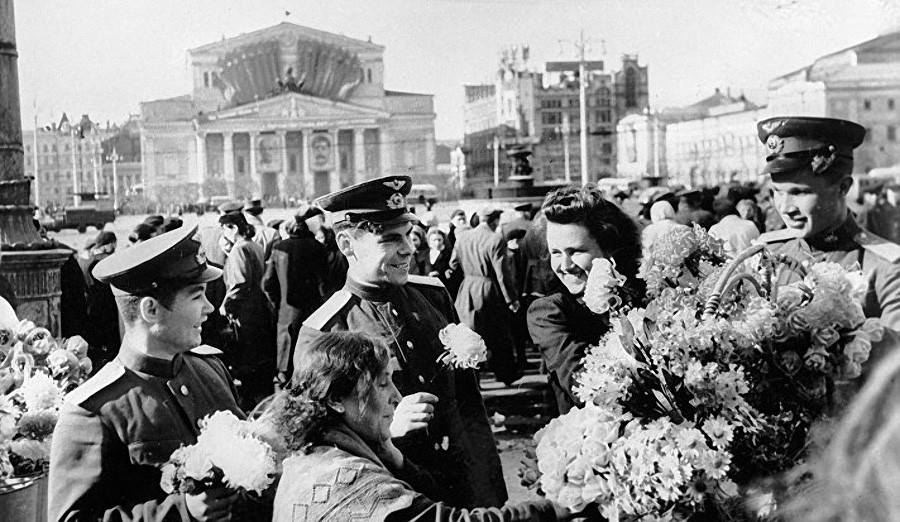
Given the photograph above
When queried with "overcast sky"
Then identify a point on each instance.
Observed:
(103, 58)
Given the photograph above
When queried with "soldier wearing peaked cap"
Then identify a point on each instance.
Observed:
(810, 161)
(440, 423)
(117, 430)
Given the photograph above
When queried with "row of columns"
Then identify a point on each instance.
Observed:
(358, 167)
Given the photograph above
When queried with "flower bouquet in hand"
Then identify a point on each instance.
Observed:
(36, 371)
(229, 451)
(715, 383)
(463, 347)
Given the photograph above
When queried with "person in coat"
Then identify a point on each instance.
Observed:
(252, 354)
(117, 429)
(437, 261)
(264, 236)
(294, 283)
(581, 226)
(441, 422)
(336, 418)
(488, 294)
(810, 161)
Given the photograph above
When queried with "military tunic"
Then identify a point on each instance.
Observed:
(849, 246)
(458, 446)
(117, 430)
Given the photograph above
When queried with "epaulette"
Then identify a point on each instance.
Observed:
(328, 310)
(776, 236)
(107, 375)
(878, 246)
(205, 349)
(425, 280)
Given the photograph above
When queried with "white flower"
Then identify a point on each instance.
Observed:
(77, 345)
(41, 392)
(31, 449)
(248, 464)
(719, 431)
(465, 348)
(599, 292)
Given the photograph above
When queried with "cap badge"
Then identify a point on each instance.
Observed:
(396, 184)
(396, 200)
(775, 144)
(200, 257)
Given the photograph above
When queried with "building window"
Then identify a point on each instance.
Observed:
(551, 118)
(867, 104)
(369, 75)
(205, 79)
(630, 88)
(890, 104)
(891, 133)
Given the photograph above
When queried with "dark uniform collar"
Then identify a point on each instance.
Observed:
(143, 363)
(840, 238)
(380, 293)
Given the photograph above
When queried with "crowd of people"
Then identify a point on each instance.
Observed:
(340, 325)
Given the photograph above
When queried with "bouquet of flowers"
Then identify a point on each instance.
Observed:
(228, 451)
(464, 347)
(36, 371)
(714, 383)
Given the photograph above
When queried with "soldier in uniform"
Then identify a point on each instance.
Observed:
(810, 161)
(440, 423)
(117, 430)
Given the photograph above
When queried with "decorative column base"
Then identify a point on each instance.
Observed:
(35, 279)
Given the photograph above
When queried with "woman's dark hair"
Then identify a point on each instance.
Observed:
(435, 231)
(334, 366)
(141, 232)
(613, 230)
(245, 230)
(297, 226)
(417, 230)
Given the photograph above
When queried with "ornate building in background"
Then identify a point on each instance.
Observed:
(283, 112)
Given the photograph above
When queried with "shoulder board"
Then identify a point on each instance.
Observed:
(425, 280)
(879, 246)
(205, 349)
(107, 375)
(328, 310)
(775, 236)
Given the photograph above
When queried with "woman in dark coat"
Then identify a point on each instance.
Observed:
(252, 355)
(293, 283)
(437, 259)
(420, 253)
(581, 227)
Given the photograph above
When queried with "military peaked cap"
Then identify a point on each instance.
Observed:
(380, 200)
(793, 143)
(171, 258)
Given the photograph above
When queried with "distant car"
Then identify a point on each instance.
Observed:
(92, 212)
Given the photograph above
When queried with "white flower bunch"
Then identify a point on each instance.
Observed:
(600, 294)
(465, 348)
(228, 451)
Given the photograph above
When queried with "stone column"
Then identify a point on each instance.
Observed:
(384, 152)
(335, 181)
(201, 157)
(254, 174)
(359, 155)
(309, 185)
(285, 172)
(29, 263)
(228, 161)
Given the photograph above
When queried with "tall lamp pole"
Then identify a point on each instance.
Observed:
(582, 109)
(114, 158)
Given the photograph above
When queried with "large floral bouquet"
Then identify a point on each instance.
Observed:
(36, 371)
(229, 451)
(714, 383)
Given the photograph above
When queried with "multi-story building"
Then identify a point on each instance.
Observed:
(68, 161)
(541, 113)
(284, 112)
(860, 83)
(125, 143)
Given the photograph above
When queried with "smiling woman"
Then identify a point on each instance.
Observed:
(581, 227)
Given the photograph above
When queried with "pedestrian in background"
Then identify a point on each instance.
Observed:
(736, 233)
(662, 221)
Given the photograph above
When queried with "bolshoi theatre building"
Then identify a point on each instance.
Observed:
(283, 112)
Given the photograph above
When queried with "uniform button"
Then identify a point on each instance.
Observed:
(184, 390)
(393, 311)
(409, 344)
(422, 379)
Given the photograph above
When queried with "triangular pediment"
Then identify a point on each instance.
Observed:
(294, 106)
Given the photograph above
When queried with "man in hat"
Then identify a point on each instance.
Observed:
(810, 161)
(264, 236)
(690, 212)
(488, 294)
(440, 423)
(117, 430)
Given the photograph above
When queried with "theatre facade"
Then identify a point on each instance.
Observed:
(283, 113)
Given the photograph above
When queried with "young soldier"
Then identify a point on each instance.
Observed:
(441, 423)
(117, 429)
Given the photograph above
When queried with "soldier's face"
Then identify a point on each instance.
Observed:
(179, 325)
(572, 253)
(809, 203)
(381, 258)
(370, 413)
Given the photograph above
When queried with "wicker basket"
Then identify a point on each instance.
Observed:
(24, 499)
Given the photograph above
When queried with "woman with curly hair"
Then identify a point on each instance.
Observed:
(581, 226)
(336, 420)
(252, 356)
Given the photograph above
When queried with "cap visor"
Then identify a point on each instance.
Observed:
(210, 274)
(402, 218)
(784, 165)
